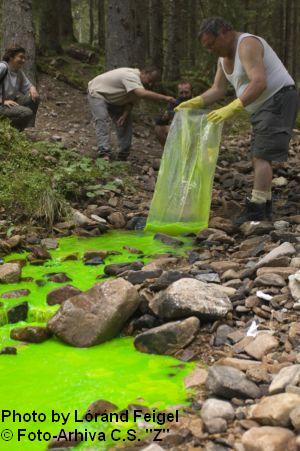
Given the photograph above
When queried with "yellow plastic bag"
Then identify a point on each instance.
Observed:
(182, 197)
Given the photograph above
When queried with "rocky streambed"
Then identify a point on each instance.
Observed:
(227, 299)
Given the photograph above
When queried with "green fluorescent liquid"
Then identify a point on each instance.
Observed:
(54, 376)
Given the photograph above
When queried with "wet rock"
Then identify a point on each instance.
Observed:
(294, 334)
(294, 285)
(96, 261)
(88, 255)
(262, 344)
(139, 277)
(133, 250)
(222, 333)
(61, 294)
(268, 438)
(145, 321)
(9, 350)
(117, 220)
(286, 376)
(256, 228)
(295, 418)
(100, 407)
(104, 211)
(80, 219)
(269, 280)
(259, 375)
(190, 297)
(59, 277)
(10, 273)
(215, 408)
(228, 382)
(15, 294)
(285, 249)
(284, 271)
(169, 240)
(223, 224)
(118, 268)
(275, 410)
(30, 334)
(136, 223)
(17, 313)
(222, 266)
(168, 338)
(96, 315)
(216, 425)
(196, 378)
(39, 253)
(166, 279)
(71, 257)
(50, 243)
(209, 277)
(98, 219)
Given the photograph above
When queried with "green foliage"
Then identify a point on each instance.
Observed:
(37, 181)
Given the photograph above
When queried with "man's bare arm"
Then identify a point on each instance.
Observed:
(145, 94)
(218, 89)
(251, 54)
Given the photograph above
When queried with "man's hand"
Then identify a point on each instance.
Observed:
(10, 103)
(196, 102)
(220, 115)
(122, 119)
(170, 100)
(33, 93)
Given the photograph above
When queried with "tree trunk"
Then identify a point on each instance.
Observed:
(192, 43)
(172, 58)
(156, 33)
(119, 43)
(49, 27)
(91, 14)
(17, 26)
(66, 21)
(101, 24)
(141, 31)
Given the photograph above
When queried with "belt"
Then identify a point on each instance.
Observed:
(287, 88)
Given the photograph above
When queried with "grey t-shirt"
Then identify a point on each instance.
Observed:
(14, 82)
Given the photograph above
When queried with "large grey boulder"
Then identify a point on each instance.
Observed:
(96, 315)
(190, 297)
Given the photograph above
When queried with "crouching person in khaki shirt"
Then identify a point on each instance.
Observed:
(112, 95)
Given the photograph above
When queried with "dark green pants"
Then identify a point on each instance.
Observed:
(22, 115)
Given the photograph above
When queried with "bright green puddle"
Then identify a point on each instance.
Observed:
(53, 376)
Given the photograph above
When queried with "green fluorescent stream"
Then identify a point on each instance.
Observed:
(54, 376)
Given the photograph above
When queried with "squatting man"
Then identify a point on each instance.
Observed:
(265, 89)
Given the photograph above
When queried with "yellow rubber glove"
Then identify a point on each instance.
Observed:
(196, 102)
(220, 115)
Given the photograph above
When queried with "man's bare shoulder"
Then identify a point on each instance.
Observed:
(250, 45)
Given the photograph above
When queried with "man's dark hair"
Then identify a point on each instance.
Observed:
(12, 51)
(152, 70)
(214, 25)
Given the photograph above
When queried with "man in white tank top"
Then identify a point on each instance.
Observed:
(265, 89)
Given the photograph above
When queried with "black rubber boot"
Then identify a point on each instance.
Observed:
(104, 153)
(123, 154)
(252, 212)
(269, 210)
